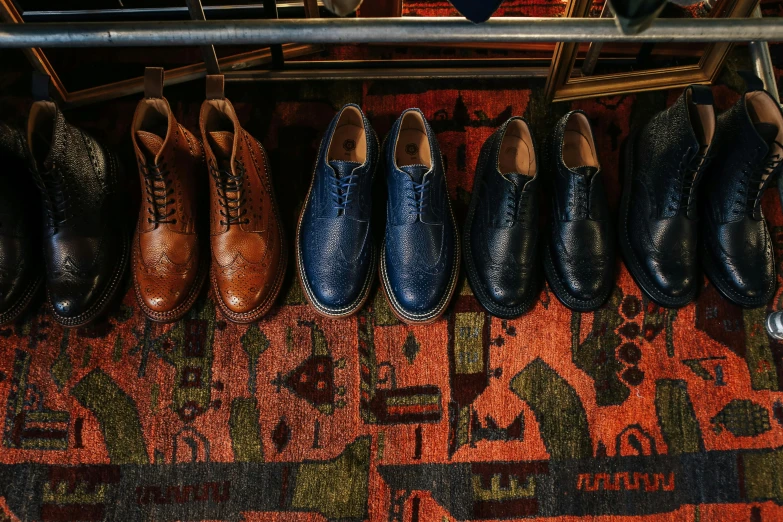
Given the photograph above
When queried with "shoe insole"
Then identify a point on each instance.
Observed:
(576, 150)
(349, 143)
(413, 148)
(514, 156)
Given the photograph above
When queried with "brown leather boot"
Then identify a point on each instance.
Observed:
(169, 268)
(249, 253)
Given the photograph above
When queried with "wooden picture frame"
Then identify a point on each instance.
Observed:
(562, 85)
(39, 61)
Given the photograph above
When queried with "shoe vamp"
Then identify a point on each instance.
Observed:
(340, 240)
(746, 238)
(176, 247)
(672, 238)
(252, 246)
(417, 245)
(583, 239)
(512, 245)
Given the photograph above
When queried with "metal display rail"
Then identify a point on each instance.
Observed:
(757, 31)
(381, 30)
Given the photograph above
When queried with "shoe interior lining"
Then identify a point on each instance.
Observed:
(413, 147)
(153, 116)
(516, 150)
(578, 144)
(216, 116)
(40, 130)
(349, 142)
(702, 121)
(763, 109)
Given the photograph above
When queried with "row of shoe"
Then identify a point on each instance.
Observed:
(84, 234)
(81, 187)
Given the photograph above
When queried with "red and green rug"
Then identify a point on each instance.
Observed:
(630, 413)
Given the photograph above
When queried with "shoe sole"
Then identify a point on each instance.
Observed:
(23, 302)
(479, 293)
(262, 309)
(326, 311)
(179, 311)
(717, 280)
(631, 262)
(114, 283)
(432, 315)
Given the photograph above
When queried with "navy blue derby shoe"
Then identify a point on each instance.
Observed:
(335, 249)
(501, 230)
(420, 256)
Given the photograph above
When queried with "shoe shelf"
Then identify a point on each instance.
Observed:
(315, 46)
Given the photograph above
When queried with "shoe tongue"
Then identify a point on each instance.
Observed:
(222, 144)
(517, 179)
(585, 170)
(150, 143)
(343, 168)
(416, 172)
(767, 131)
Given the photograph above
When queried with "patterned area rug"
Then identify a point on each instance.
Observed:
(632, 410)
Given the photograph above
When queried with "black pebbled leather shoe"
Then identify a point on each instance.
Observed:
(501, 230)
(21, 273)
(85, 239)
(579, 255)
(662, 164)
(736, 246)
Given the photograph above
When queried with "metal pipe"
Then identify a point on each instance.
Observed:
(380, 30)
(762, 62)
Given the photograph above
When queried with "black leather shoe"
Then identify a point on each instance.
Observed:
(736, 245)
(663, 163)
(20, 267)
(85, 239)
(501, 230)
(579, 256)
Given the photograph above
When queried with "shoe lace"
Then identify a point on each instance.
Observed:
(417, 196)
(688, 175)
(341, 190)
(757, 181)
(515, 199)
(158, 192)
(233, 205)
(56, 197)
(579, 203)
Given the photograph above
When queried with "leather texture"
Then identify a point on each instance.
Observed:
(501, 233)
(663, 166)
(420, 257)
(85, 239)
(167, 263)
(580, 253)
(737, 248)
(246, 237)
(336, 251)
(20, 259)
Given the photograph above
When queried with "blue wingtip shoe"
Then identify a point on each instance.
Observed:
(501, 230)
(335, 249)
(420, 256)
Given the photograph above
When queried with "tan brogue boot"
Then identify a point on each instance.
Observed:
(168, 266)
(249, 254)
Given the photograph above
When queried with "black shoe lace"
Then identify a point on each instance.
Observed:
(579, 203)
(56, 198)
(758, 179)
(515, 200)
(687, 177)
(341, 191)
(418, 197)
(158, 192)
(233, 205)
